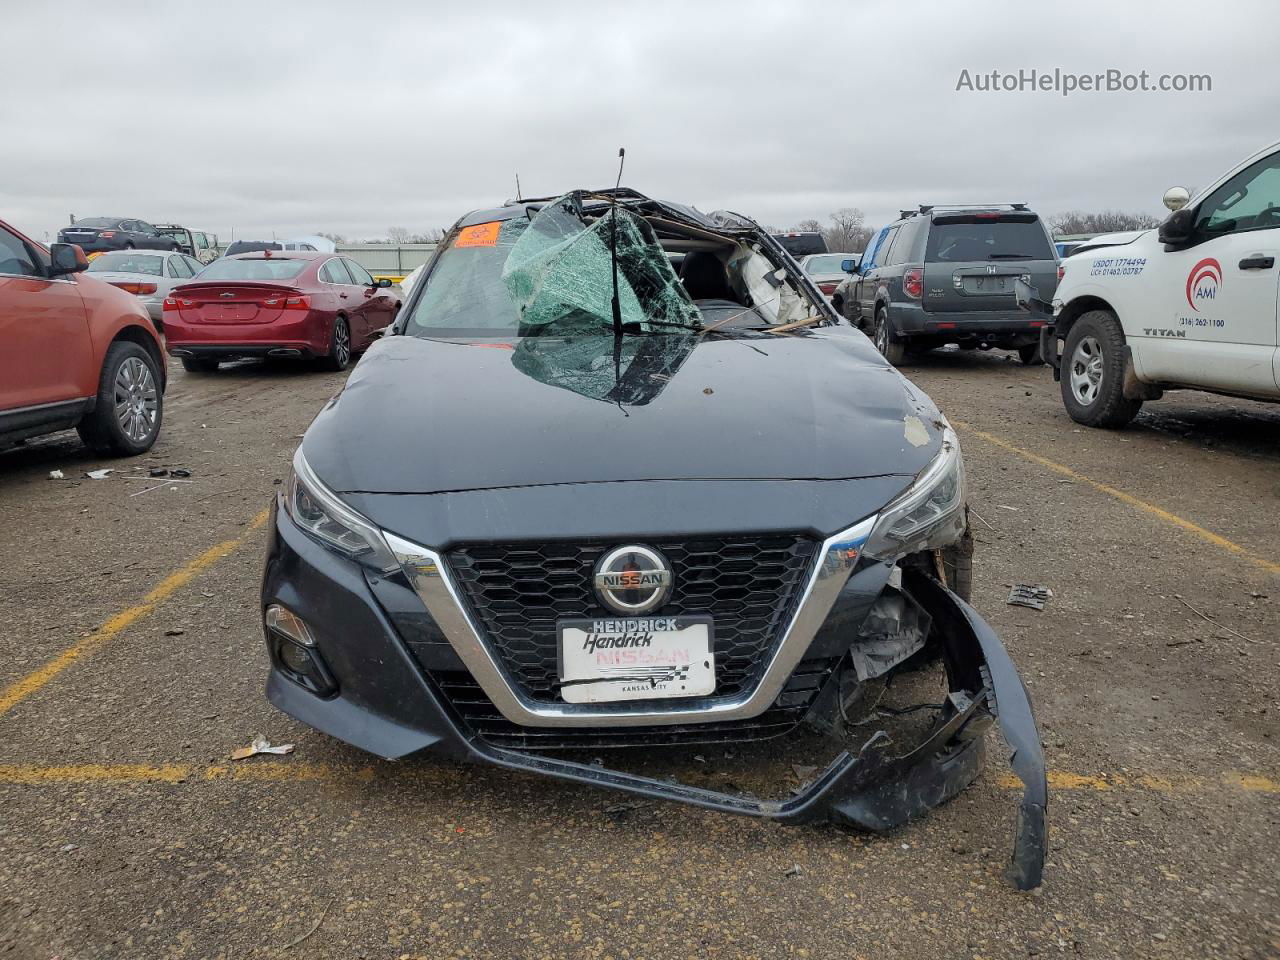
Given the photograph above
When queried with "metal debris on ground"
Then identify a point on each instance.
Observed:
(1204, 616)
(166, 482)
(618, 809)
(1029, 595)
(261, 744)
(795, 871)
(159, 472)
(98, 474)
(179, 472)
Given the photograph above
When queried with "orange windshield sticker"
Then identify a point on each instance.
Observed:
(480, 235)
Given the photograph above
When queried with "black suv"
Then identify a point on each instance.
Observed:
(946, 274)
(574, 502)
(98, 234)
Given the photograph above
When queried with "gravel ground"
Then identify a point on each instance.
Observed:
(125, 832)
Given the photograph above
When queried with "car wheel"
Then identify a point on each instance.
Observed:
(129, 245)
(339, 355)
(199, 364)
(1029, 354)
(889, 345)
(837, 301)
(130, 405)
(1093, 372)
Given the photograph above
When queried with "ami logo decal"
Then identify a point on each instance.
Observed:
(1203, 282)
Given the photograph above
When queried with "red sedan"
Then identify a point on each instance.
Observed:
(277, 304)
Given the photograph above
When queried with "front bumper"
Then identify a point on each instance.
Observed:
(386, 703)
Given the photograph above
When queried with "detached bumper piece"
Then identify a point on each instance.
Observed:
(876, 792)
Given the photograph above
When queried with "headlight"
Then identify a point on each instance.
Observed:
(928, 514)
(321, 515)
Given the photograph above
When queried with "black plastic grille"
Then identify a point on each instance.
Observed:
(478, 713)
(749, 585)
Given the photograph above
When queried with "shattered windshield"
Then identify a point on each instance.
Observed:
(551, 273)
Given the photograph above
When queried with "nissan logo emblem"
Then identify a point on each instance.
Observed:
(633, 580)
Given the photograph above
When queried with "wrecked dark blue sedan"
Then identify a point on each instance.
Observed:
(620, 500)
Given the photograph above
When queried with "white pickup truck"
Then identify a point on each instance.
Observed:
(1195, 303)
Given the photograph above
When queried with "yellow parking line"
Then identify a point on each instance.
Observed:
(18, 691)
(28, 775)
(1164, 515)
(1062, 780)
(285, 772)
(290, 771)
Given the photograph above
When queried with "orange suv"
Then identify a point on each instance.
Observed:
(74, 352)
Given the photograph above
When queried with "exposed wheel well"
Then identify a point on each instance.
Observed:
(135, 334)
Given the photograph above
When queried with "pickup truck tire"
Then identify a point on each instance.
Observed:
(130, 407)
(1029, 354)
(891, 347)
(1093, 372)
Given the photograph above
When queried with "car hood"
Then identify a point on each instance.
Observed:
(435, 416)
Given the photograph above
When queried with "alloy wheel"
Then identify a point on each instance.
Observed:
(136, 399)
(341, 342)
(1086, 370)
(882, 334)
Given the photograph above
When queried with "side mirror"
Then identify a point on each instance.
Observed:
(1175, 198)
(1177, 227)
(849, 266)
(384, 282)
(66, 258)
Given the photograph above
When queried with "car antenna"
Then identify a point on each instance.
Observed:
(519, 198)
(617, 304)
(613, 246)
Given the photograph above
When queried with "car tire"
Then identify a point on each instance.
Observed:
(339, 355)
(129, 245)
(891, 347)
(1093, 372)
(199, 364)
(837, 302)
(130, 404)
(1029, 354)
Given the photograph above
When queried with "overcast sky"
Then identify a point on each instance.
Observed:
(291, 118)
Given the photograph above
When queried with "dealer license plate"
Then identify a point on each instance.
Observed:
(635, 658)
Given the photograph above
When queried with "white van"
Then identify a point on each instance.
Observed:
(1193, 304)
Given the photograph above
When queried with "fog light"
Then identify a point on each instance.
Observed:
(293, 651)
(295, 657)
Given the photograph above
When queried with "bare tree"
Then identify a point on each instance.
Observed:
(332, 237)
(398, 234)
(848, 232)
(807, 226)
(1105, 221)
(434, 235)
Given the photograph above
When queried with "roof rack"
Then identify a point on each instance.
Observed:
(926, 207)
